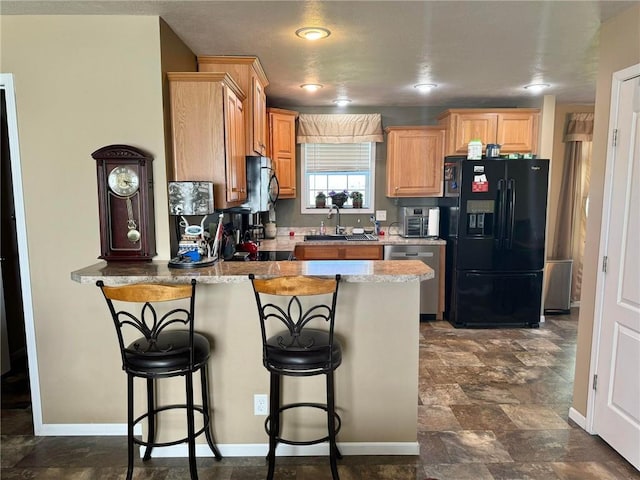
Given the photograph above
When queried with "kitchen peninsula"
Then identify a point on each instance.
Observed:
(377, 322)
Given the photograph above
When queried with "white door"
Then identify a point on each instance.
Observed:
(616, 414)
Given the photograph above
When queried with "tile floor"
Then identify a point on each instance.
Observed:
(493, 405)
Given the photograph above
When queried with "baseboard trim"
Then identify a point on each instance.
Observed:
(229, 449)
(260, 449)
(86, 429)
(577, 417)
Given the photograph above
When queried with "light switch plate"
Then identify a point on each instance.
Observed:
(381, 215)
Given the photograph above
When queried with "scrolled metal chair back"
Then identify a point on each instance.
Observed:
(150, 322)
(294, 317)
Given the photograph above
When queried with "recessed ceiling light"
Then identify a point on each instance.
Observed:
(536, 87)
(425, 87)
(341, 102)
(313, 33)
(311, 87)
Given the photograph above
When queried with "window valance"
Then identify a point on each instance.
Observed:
(339, 128)
(579, 127)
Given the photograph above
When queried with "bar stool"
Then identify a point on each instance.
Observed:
(161, 353)
(296, 349)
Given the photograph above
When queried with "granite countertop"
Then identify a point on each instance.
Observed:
(355, 271)
(288, 243)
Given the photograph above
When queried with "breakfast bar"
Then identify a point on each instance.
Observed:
(377, 322)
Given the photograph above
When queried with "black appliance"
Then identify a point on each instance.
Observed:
(494, 224)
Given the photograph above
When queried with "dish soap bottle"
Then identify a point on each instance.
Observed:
(323, 229)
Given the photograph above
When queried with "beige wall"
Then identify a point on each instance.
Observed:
(82, 82)
(619, 48)
(557, 165)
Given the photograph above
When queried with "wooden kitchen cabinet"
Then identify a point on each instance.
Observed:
(415, 157)
(249, 75)
(282, 149)
(207, 131)
(338, 252)
(514, 129)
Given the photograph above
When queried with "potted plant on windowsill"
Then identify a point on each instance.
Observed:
(338, 198)
(321, 200)
(357, 198)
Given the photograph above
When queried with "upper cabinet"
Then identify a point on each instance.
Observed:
(282, 149)
(207, 129)
(415, 157)
(514, 129)
(249, 75)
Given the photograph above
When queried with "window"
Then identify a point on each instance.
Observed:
(337, 167)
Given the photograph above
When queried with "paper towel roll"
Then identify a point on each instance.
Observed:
(433, 227)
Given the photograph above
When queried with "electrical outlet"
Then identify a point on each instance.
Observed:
(260, 404)
(381, 215)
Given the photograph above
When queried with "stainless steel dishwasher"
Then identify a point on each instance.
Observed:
(429, 254)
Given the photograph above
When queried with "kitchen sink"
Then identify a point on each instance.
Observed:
(366, 237)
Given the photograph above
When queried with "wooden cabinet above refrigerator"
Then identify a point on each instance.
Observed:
(514, 129)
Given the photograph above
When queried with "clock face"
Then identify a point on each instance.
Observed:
(124, 181)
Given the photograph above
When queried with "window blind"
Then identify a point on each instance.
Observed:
(337, 157)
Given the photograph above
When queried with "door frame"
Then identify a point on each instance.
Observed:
(7, 84)
(618, 79)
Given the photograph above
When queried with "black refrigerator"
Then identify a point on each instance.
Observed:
(494, 222)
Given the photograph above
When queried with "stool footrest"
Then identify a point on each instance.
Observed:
(197, 408)
(321, 406)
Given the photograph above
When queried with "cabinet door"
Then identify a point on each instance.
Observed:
(259, 117)
(282, 131)
(193, 106)
(471, 126)
(234, 139)
(415, 162)
(517, 132)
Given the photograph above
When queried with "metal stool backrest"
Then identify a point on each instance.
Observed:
(294, 318)
(149, 322)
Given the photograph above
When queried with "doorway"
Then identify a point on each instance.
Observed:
(14, 340)
(16, 292)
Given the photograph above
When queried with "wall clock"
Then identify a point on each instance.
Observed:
(125, 203)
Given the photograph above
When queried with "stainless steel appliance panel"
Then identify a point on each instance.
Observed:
(429, 292)
(557, 286)
(262, 184)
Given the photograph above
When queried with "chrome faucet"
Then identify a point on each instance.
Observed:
(338, 227)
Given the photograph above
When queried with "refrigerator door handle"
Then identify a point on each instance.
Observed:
(511, 218)
(500, 221)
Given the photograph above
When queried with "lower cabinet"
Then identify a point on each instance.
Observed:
(338, 252)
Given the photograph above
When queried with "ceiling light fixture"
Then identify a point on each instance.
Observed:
(425, 87)
(536, 87)
(341, 102)
(311, 87)
(313, 33)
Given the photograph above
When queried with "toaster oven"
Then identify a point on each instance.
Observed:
(414, 222)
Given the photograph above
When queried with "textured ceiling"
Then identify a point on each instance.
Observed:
(479, 53)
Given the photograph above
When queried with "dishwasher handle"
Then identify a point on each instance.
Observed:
(410, 255)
